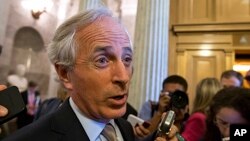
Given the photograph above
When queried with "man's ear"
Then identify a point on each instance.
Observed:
(63, 76)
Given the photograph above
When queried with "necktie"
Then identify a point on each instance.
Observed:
(109, 132)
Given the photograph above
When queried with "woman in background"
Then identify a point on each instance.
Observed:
(195, 126)
(229, 106)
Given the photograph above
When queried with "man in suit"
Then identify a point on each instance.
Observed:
(92, 55)
(31, 98)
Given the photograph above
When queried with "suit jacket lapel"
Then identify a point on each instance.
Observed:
(125, 129)
(67, 124)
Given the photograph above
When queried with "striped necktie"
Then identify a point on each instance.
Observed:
(109, 132)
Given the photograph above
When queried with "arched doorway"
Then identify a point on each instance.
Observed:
(29, 49)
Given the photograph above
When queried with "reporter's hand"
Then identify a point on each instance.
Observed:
(3, 110)
(171, 136)
(140, 131)
(164, 101)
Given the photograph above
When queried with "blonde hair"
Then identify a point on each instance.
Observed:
(205, 91)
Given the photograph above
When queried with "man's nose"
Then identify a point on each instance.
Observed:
(121, 74)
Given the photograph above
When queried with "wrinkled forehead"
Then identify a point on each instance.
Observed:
(103, 29)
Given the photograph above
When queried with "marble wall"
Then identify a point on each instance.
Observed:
(28, 47)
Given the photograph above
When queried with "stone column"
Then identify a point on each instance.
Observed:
(4, 13)
(6, 51)
(88, 4)
(150, 51)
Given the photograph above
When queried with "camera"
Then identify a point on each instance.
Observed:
(179, 99)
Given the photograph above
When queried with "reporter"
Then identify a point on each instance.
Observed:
(152, 111)
(228, 106)
(195, 127)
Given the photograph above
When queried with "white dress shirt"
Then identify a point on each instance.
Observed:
(92, 127)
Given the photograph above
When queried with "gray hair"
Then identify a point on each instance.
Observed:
(62, 50)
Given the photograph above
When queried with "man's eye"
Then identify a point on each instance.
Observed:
(127, 60)
(102, 61)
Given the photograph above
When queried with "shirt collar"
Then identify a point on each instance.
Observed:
(87, 123)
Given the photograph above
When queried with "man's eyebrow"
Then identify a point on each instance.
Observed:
(103, 48)
(109, 48)
(127, 49)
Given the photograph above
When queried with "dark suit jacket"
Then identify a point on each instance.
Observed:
(63, 125)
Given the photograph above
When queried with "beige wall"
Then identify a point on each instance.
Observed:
(205, 36)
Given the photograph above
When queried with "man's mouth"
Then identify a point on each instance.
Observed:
(119, 99)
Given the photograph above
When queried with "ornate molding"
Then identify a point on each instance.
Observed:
(215, 27)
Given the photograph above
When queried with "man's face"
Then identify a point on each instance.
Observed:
(230, 82)
(100, 79)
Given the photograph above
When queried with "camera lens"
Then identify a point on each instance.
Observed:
(179, 99)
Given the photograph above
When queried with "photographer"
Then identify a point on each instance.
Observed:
(167, 131)
(152, 111)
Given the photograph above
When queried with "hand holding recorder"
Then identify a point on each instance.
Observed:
(3, 110)
(167, 130)
(11, 103)
(140, 126)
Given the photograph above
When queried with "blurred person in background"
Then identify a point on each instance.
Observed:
(247, 78)
(195, 126)
(231, 78)
(32, 100)
(50, 105)
(229, 106)
(152, 111)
